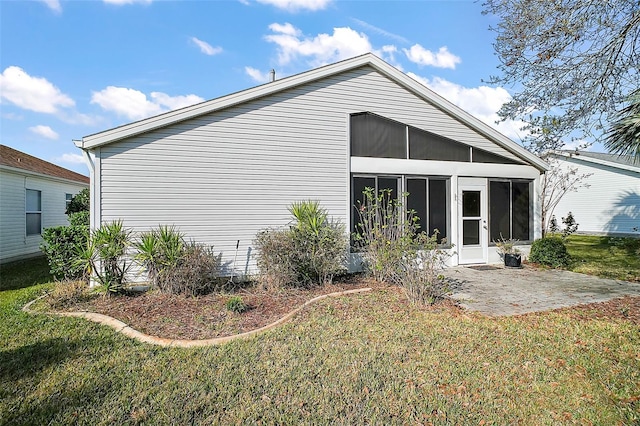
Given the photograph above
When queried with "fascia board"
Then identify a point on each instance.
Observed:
(598, 161)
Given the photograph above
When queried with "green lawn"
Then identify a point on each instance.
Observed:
(365, 359)
(605, 256)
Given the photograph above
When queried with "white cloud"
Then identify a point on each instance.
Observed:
(53, 5)
(135, 105)
(44, 131)
(32, 93)
(482, 102)
(297, 5)
(257, 75)
(442, 59)
(319, 50)
(175, 102)
(70, 158)
(205, 47)
(123, 2)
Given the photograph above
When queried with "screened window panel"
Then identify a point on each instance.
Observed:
(470, 232)
(482, 156)
(471, 203)
(417, 201)
(34, 202)
(425, 145)
(499, 207)
(520, 216)
(438, 208)
(358, 185)
(375, 136)
(390, 183)
(34, 223)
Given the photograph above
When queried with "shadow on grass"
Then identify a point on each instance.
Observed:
(28, 360)
(24, 273)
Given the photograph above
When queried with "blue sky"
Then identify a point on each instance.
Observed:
(73, 68)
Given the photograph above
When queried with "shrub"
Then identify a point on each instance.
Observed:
(311, 251)
(159, 249)
(570, 225)
(105, 256)
(236, 304)
(420, 271)
(276, 258)
(79, 219)
(549, 251)
(195, 272)
(79, 202)
(68, 293)
(61, 245)
(385, 234)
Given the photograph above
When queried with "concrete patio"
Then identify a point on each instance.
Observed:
(496, 291)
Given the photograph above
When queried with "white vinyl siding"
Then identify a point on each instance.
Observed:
(14, 241)
(611, 203)
(224, 176)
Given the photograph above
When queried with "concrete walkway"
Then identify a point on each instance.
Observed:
(495, 290)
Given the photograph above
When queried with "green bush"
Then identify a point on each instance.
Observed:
(61, 245)
(79, 219)
(311, 251)
(105, 257)
(159, 249)
(236, 304)
(550, 251)
(195, 272)
(79, 202)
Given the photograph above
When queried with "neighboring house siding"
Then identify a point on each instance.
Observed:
(14, 243)
(610, 205)
(224, 176)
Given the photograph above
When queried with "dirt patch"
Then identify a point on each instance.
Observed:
(205, 317)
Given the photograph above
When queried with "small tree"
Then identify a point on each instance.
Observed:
(556, 183)
(385, 235)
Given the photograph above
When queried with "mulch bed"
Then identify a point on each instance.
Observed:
(625, 308)
(204, 317)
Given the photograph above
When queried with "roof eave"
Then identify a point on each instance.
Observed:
(586, 159)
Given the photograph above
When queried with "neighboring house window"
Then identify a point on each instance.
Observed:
(427, 196)
(34, 212)
(379, 137)
(68, 197)
(510, 205)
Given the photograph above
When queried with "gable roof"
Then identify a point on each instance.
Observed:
(368, 59)
(623, 162)
(13, 158)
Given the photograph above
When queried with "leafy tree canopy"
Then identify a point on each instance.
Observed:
(572, 63)
(79, 202)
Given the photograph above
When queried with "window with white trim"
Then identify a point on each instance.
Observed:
(68, 198)
(33, 209)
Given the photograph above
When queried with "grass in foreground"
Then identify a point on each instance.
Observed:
(607, 257)
(362, 359)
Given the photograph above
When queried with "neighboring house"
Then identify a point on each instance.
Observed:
(33, 195)
(224, 169)
(611, 203)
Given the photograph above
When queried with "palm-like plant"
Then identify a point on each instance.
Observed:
(624, 136)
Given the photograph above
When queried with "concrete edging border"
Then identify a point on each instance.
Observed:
(125, 329)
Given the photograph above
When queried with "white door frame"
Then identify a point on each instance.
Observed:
(473, 253)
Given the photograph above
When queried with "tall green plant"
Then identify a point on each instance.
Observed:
(159, 249)
(105, 257)
(60, 244)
